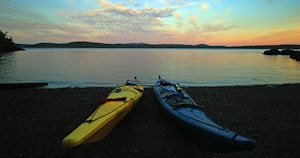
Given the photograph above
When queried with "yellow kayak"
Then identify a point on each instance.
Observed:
(115, 107)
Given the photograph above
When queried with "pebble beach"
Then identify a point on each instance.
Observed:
(35, 120)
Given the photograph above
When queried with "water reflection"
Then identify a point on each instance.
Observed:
(106, 67)
(7, 66)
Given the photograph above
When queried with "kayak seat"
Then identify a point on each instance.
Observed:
(166, 93)
(179, 101)
(174, 100)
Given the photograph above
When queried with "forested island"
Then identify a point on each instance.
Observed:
(7, 44)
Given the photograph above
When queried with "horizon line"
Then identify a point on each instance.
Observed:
(156, 44)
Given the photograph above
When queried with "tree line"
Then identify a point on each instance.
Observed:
(7, 44)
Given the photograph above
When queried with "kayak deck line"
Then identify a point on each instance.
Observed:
(214, 126)
(94, 119)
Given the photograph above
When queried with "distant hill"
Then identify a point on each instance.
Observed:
(80, 44)
(105, 45)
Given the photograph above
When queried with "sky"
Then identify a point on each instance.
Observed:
(212, 22)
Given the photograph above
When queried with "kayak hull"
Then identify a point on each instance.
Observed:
(191, 117)
(100, 123)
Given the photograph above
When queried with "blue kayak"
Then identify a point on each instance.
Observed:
(189, 115)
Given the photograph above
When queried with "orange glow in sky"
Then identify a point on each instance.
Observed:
(212, 22)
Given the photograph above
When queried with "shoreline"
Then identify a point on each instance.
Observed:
(45, 85)
(35, 120)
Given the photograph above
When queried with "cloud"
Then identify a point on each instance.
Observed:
(204, 6)
(177, 15)
(117, 18)
(228, 11)
(132, 2)
(60, 33)
(216, 28)
(193, 21)
(179, 20)
(175, 2)
(36, 32)
(296, 18)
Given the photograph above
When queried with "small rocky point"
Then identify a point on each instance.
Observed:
(292, 53)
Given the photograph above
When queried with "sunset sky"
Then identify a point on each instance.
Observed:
(213, 22)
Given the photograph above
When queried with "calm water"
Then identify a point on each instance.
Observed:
(107, 67)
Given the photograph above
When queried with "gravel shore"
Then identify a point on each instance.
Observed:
(34, 121)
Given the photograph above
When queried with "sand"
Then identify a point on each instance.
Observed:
(34, 121)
